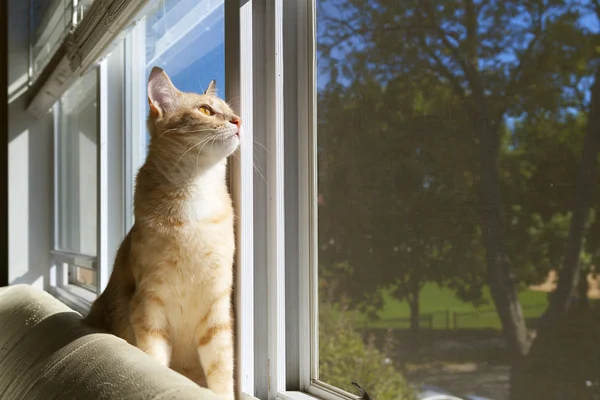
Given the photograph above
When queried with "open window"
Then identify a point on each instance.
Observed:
(76, 195)
(444, 191)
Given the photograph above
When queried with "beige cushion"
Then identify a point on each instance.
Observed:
(47, 353)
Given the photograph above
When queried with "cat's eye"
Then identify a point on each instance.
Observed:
(206, 110)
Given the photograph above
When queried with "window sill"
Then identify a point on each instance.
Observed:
(295, 396)
(305, 396)
(77, 298)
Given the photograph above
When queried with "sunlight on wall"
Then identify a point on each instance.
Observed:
(38, 283)
(18, 203)
(17, 88)
(87, 193)
(29, 164)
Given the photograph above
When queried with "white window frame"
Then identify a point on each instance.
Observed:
(260, 260)
(288, 31)
(111, 189)
(133, 118)
(64, 262)
(239, 90)
(284, 196)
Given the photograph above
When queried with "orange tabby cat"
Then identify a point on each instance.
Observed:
(169, 292)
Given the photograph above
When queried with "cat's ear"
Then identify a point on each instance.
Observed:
(212, 88)
(162, 95)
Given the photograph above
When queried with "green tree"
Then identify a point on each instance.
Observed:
(502, 61)
(395, 187)
(465, 44)
(538, 183)
(345, 358)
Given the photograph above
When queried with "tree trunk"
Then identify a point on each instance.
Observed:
(414, 304)
(500, 278)
(583, 302)
(568, 278)
(502, 286)
(414, 312)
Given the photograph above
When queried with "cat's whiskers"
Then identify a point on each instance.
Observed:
(254, 163)
(198, 157)
(257, 170)
(167, 131)
(232, 99)
(200, 150)
(255, 141)
(214, 139)
(185, 132)
(255, 167)
(204, 140)
(199, 130)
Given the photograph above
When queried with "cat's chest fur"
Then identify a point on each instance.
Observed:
(184, 266)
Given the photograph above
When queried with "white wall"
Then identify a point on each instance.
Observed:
(29, 165)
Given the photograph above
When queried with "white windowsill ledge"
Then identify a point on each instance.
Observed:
(295, 396)
(77, 298)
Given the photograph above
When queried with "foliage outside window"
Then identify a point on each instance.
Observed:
(457, 170)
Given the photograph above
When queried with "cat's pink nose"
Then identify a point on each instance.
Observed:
(236, 121)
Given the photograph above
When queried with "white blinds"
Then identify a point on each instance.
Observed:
(58, 17)
(70, 37)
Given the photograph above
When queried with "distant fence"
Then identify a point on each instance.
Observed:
(484, 318)
(449, 319)
(432, 320)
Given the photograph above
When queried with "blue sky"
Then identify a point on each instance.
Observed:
(198, 56)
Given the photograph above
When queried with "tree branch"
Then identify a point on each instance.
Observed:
(516, 76)
(417, 41)
(596, 4)
(471, 26)
(458, 89)
(469, 69)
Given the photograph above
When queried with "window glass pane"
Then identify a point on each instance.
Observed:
(50, 22)
(39, 10)
(77, 167)
(458, 217)
(84, 277)
(82, 9)
(185, 38)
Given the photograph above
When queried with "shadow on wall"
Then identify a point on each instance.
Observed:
(30, 196)
(30, 155)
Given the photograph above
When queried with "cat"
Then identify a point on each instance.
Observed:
(170, 289)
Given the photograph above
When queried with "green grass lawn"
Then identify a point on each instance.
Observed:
(441, 300)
